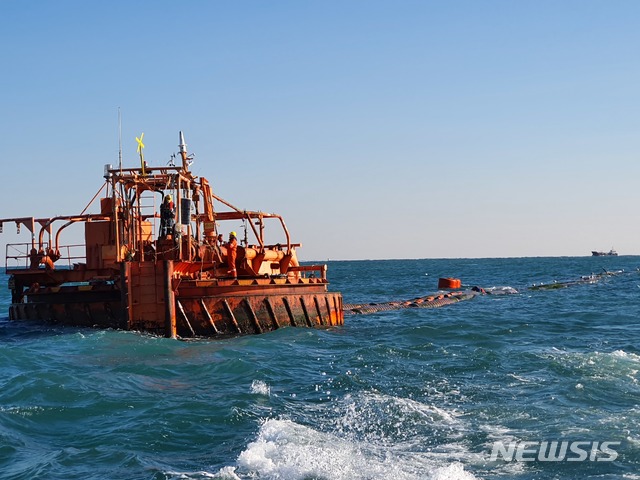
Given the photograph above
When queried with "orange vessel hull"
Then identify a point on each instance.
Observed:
(209, 313)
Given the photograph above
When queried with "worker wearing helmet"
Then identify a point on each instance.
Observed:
(167, 216)
(232, 252)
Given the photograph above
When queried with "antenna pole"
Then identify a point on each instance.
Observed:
(183, 153)
(119, 141)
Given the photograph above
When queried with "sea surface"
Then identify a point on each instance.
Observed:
(407, 394)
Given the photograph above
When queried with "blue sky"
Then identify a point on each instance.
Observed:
(378, 129)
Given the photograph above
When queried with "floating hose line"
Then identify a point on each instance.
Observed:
(430, 301)
(442, 299)
(585, 279)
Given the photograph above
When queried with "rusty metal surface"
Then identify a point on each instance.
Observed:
(100, 308)
(241, 315)
(200, 316)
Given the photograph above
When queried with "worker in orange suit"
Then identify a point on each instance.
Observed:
(232, 253)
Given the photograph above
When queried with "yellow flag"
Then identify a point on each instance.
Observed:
(140, 147)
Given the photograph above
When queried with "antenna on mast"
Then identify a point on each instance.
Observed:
(119, 141)
(187, 160)
(183, 152)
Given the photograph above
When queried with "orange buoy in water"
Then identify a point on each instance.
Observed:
(449, 283)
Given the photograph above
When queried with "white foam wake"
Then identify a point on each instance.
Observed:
(285, 450)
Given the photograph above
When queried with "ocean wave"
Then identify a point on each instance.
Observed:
(360, 436)
(376, 416)
(616, 364)
(285, 449)
(258, 387)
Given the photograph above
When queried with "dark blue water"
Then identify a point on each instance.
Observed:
(407, 394)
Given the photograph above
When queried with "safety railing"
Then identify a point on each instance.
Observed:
(320, 269)
(18, 256)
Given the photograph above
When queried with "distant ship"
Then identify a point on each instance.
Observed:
(611, 252)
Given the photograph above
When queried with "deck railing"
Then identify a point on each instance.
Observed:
(18, 256)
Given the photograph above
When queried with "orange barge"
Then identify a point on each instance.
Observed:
(151, 265)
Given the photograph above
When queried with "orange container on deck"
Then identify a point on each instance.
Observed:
(449, 283)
